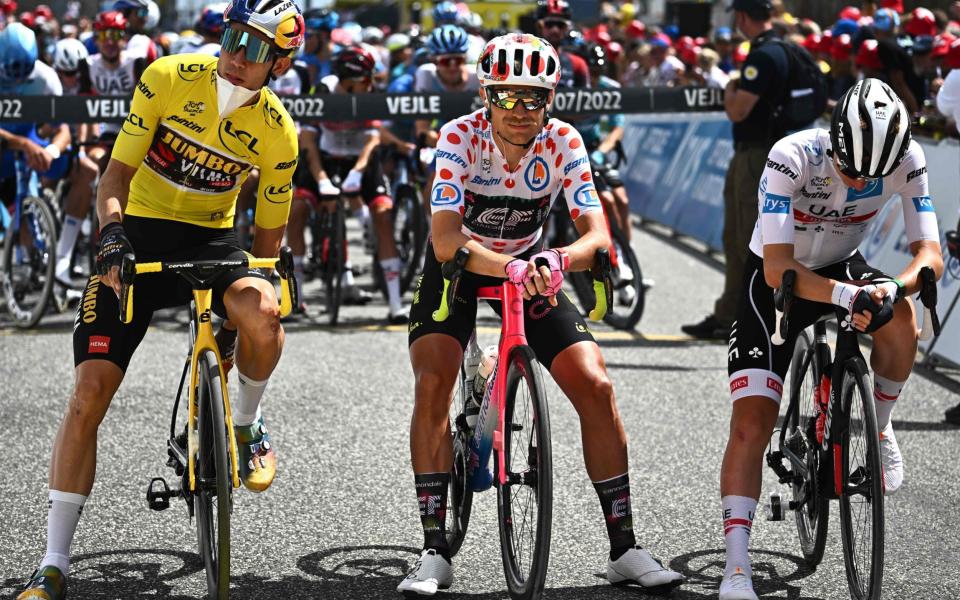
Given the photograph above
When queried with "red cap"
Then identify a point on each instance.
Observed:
(952, 60)
(603, 37)
(841, 47)
(826, 41)
(636, 29)
(941, 44)
(28, 19)
(812, 42)
(849, 12)
(896, 5)
(689, 55)
(111, 19)
(868, 56)
(921, 22)
(700, 41)
(42, 10)
(614, 51)
(8, 7)
(684, 41)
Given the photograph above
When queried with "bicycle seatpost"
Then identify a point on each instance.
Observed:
(782, 300)
(928, 295)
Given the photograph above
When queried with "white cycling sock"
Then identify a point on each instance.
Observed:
(885, 394)
(246, 410)
(68, 238)
(738, 513)
(62, 519)
(391, 273)
(347, 278)
(362, 214)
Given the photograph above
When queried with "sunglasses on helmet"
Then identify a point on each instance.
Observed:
(255, 49)
(506, 98)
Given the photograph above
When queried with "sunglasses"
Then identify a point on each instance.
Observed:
(143, 13)
(555, 24)
(450, 61)
(355, 86)
(507, 98)
(72, 73)
(256, 50)
(114, 35)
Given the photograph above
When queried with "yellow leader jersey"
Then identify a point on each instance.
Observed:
(190, 163)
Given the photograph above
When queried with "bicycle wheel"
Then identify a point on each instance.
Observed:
(212, 500)
(525, 501)
(410, 234)
(627, 315)
(460, 493)
(335, 253)
(813, 509)
(29, 257)
(861, 498)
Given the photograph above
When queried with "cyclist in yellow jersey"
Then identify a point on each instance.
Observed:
(197, 126)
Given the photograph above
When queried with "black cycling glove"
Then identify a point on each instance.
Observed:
(880, 314)
(113, 245)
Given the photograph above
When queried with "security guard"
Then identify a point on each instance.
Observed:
(748, 101)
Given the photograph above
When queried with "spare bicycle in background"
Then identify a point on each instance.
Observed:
(512, 423)
(204, 453)
(829, 445)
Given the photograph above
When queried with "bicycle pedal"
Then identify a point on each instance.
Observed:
(159, 494)
(774, 508)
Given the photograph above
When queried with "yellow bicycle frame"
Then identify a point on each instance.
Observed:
(205, 340)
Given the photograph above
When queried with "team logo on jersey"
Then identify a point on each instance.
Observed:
(191, 165)
(872, 189)
(191, 71)
(445, 194)
(586, 195)
(134, 126)
(821, 181)
(145, 90)
(776, 204)
(750, 73)
(278, 194)
(237, 141)
(193, 108)
(537, 175)
(923, 204)
(814, 154)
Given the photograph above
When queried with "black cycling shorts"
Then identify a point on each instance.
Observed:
(756, 367)
(98, 332)
(549, 329)
(374, 185)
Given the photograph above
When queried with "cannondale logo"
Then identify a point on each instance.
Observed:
(620, 507)
(510, 218)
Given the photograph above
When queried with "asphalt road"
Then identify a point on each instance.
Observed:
(341, 520)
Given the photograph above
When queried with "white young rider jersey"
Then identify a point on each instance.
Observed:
(342, 138)
(502, 209)
(803, 202)
(113, 80)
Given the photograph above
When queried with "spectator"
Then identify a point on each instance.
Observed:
(666, 69)
(842, 74)
(724, 45)
(747, 101)
(897, 64)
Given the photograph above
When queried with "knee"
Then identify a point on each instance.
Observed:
(88, 404)
(87, 170)
(433, 393)
(597, 397)
(748, 434)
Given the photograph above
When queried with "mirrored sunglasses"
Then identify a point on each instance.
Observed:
(110, 34)
(256, 50)
(507, 98)
(451, 61)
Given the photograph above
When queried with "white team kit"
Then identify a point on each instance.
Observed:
(502, 209)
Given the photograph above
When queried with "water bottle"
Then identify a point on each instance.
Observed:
(488, 360)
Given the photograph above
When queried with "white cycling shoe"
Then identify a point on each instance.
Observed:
(637, 567)
(430, 573)
(737, 586)
(892, 460)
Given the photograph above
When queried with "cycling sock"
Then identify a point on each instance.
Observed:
(738, 513)
(246, 410)
(885, 394)
(614, 496)
(62, 519)
(346, 280)
(391, 273)
(362, 214)
(432, 499)
(68, 238)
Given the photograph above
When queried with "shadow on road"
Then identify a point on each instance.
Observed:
(774, 573)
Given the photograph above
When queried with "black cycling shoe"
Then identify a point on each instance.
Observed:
(952, 415)
(355, 296)
(710, 328)
(398, 318)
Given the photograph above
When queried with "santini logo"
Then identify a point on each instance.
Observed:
(782, 169)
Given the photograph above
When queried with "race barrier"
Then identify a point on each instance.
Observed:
(343, 107)
(674, 175)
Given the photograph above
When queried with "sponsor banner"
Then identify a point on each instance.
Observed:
(343, 107)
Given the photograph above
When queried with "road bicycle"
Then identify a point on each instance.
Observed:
(513, 424)
(204, 453)
(829, 445)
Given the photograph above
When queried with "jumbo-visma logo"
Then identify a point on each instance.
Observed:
(537, 175)
(445, 194)
(586, 195)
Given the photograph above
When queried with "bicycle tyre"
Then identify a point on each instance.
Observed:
(410, 234)
(625, 317)
(336, 253)
(213, 496)
(864, 573)
(460, 493)
(800, 425)
(38, 277)
(525, 582)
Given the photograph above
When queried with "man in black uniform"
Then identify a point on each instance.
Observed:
(898, 68)
(748, 102)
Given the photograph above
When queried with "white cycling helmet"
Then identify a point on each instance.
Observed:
(519, 59)
(153, 16)
(68, 55)
(371, 35)
(870, 130)
(279, 20)
(397, 41)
